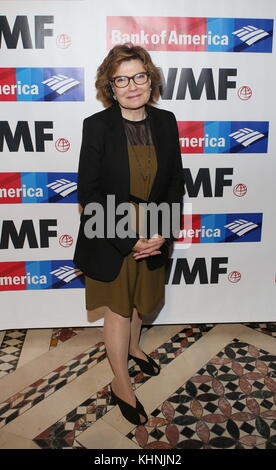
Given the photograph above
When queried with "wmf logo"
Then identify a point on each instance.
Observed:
(28, 32)
(31, 137)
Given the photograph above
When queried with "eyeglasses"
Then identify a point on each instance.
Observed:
(123, 81)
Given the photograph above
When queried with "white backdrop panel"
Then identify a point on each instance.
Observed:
(81, 26)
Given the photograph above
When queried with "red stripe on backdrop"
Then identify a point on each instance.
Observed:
(12, 276)
(189, 224)
(7, 84)
(157, 33)
(9, 186)
(189, 135)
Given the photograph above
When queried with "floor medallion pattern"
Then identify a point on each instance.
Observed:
(229, 403)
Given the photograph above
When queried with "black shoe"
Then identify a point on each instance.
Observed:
(150, 368)
(129, 412)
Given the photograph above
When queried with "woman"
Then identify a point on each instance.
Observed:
(130, 151)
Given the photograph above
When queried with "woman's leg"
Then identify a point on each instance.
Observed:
(116, 333)
(135, 331)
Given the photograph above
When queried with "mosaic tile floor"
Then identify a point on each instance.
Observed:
(229, 403)
(227, 400)
(10, 350)
(10, 353)
(25, 399)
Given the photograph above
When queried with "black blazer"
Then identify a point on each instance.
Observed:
(104, 169)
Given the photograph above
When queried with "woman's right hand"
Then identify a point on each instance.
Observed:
(144, 244)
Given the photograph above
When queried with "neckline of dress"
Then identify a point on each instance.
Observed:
(136, 122)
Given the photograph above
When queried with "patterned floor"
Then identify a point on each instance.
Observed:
(229, 402)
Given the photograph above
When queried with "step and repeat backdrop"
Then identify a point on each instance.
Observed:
(217, 62)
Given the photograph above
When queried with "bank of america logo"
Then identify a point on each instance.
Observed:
(241, 226)
(63, 186)
(61, 83)
(250, 34)
(66, 273)
(246, 136)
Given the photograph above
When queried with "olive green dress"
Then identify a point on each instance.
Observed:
(135, 285)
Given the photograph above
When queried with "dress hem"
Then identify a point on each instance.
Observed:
(92, 311)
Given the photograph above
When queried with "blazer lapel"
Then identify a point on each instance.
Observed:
(119, 143)
(156, 130)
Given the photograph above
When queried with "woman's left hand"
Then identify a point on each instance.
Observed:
(154, 243)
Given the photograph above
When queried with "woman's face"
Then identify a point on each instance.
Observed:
(133, 95)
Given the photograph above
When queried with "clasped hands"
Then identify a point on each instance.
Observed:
(148, 246)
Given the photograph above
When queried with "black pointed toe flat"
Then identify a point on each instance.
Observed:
(148, 367)
(131, 413)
